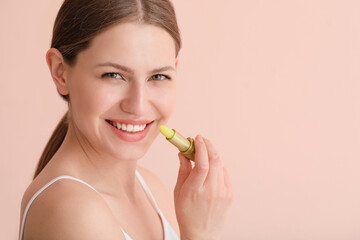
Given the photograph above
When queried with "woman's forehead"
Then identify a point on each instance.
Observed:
(132, 44)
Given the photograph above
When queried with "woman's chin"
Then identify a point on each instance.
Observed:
(129, 156)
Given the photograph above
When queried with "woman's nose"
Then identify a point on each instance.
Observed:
(135, 101)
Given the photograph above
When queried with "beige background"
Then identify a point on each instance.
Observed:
(273, 83)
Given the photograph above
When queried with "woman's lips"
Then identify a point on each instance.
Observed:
(130, 136)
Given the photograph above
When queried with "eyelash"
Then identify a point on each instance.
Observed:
(108, 75)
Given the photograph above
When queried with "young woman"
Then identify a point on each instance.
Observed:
(114, 62)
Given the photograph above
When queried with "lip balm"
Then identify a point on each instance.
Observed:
(185, 145)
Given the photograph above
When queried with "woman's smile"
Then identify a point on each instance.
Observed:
(130, 132)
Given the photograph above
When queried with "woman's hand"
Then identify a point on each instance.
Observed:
(202, 194)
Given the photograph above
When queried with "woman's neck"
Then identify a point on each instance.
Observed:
(108, 175)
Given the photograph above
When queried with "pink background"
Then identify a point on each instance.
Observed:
(273, 84)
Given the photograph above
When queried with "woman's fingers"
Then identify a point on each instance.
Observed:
(201, 168)
(184, 172)
(203, 193)
(228, 185)
(227, 180)
(208, 170)
(215, 175)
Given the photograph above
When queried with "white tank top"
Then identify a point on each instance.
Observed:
(169, 233)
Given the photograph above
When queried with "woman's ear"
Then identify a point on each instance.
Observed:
(176, 62)
(57, 69)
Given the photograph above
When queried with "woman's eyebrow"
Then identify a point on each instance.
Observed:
(129, 70)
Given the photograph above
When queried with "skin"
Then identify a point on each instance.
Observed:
(93, 153)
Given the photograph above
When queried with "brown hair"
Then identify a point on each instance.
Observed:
(79, 21)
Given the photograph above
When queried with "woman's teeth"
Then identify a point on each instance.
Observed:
(128, 127)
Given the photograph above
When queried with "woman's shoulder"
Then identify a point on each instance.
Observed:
(162, 196)
(90, 216)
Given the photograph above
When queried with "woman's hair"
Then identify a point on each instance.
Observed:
(79, 21)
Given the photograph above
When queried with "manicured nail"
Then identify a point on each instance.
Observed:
(200, 139)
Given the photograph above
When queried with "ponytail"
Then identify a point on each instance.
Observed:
(53, 145)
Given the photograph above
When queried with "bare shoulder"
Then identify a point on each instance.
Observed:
(162, 196)
(68, 209)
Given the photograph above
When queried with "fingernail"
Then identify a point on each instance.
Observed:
(200, 139)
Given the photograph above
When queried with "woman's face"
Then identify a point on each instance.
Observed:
(119, 78)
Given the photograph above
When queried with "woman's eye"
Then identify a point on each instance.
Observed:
(111, 75)
(160, 77)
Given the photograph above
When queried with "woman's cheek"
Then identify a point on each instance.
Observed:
(92, 97)
(165, 99)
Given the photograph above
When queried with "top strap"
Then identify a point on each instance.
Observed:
(147, 190)
(42, 189)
